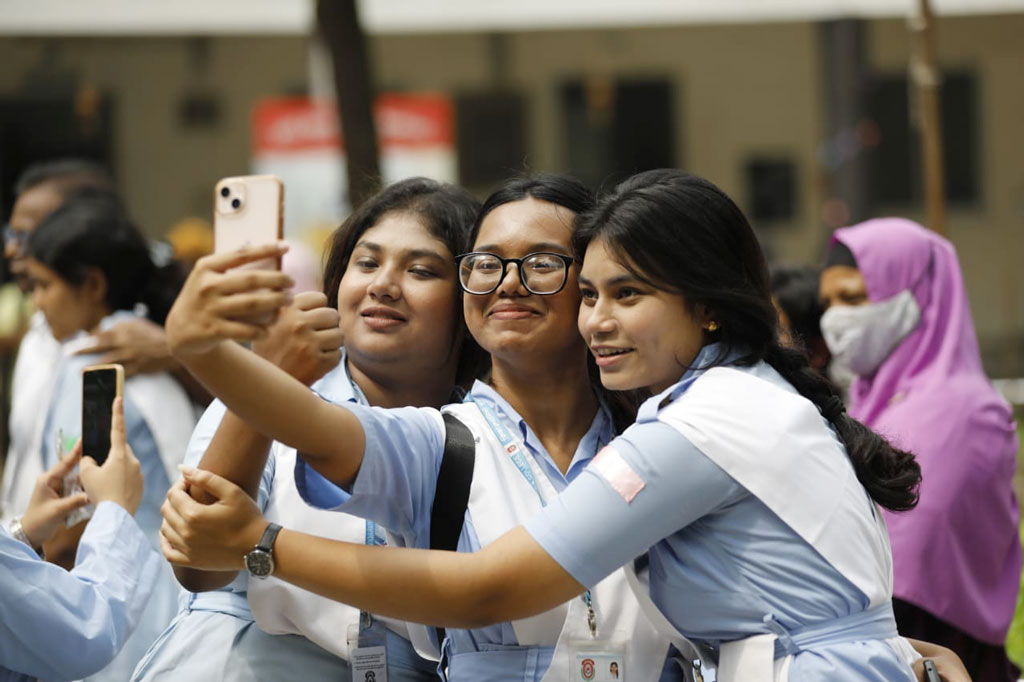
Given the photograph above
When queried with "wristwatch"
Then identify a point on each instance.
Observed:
(260, 559)
(19, 534)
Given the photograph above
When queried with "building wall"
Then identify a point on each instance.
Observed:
(740, 91)
(990, 236)
(167, 172)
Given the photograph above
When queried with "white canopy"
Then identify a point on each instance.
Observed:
(292, 17)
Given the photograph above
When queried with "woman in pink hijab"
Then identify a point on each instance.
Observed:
(899, 320)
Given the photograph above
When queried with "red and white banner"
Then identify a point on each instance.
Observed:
(298, 139)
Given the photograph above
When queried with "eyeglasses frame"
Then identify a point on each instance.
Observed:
(568, 260)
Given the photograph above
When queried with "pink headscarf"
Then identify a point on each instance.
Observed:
(958, 554)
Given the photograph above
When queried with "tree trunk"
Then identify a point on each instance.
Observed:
(925, 76)
(338, 22)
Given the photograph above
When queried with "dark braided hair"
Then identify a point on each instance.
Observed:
(680, 233)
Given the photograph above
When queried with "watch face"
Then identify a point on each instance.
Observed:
(260, 563)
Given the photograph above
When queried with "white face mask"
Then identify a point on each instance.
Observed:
(861, 337)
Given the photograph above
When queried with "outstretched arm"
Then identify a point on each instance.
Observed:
(510, 578)
(305, 341)
(218, 303)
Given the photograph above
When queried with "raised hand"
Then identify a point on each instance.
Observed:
(119, 480)
(305, 341)
(218, 302)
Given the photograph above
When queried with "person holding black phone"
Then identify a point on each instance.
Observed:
(57, 624)
(91, 269)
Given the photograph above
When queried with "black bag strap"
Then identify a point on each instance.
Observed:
(451, 494)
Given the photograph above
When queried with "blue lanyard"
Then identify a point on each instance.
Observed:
(511, 446)
(515, 452)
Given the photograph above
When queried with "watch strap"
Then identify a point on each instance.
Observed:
(266, 542)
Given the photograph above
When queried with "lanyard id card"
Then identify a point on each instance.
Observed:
(597, 661)
(367, 650)
(592, 658)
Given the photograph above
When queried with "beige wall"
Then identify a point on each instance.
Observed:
(990, 238)
(166, 172)
(740, 91)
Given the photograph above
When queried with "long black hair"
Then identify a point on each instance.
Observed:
(567, 192)
(92, 230)
(680, 233)
(446, 211)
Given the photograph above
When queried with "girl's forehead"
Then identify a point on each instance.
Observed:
(401, 232)
(524, 222)
(602, 260)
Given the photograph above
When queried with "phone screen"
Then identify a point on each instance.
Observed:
(99, 388)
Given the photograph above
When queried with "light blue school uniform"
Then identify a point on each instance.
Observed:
(65, 416)
(395, 488)
(214, 636)
(61, 625)
(720, 560)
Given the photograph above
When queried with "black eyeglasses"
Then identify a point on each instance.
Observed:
(541, 273)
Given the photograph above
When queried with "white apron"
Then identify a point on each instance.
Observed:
(763, 435)
(501, 499)
(280, 608)
(169, 414)
(35, 372)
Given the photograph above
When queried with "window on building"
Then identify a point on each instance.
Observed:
(771, 190)
(41, 128)
(490, 129)
(896, 176)
(615, 128)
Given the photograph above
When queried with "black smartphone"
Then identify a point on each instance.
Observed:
(100, 385)
(931, 674)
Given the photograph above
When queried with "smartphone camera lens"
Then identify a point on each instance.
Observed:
(235, 203)
(225, 192)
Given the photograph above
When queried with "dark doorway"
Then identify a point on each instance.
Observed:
(615, 128)
(41, 128)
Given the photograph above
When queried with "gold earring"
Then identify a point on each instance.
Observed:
(712, 326)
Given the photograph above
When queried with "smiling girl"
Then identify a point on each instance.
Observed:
(752, 491)
(536, 422)
(391, 293)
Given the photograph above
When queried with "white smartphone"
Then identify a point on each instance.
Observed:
(248, 210)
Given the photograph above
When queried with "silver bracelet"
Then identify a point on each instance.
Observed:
(19, 534)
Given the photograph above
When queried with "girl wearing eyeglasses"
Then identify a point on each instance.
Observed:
(750, 495)
(537, 421)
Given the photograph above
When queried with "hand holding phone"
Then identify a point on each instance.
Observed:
(119, 479)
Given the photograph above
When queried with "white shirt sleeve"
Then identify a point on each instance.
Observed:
(66, 625)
